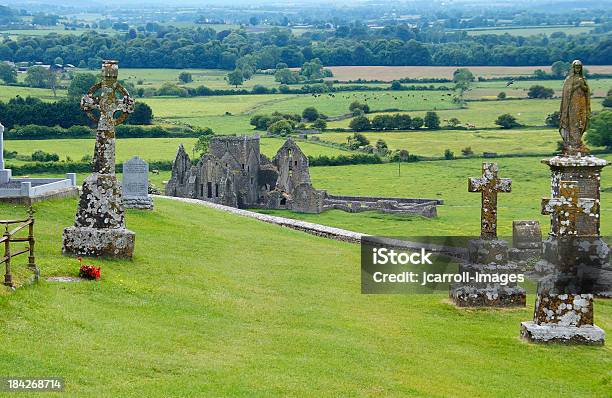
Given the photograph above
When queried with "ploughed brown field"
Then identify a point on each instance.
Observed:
(390, 73)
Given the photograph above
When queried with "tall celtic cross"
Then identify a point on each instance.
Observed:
(566, 208)
(108, 104)
(489, 185)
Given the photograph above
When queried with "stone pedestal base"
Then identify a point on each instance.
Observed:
(483, 251)
(488, 296)
(552, 333)
(143, 203)
(93, 242)
(487, 291)
(5, 175)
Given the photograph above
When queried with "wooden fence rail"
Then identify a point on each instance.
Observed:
(9, 237)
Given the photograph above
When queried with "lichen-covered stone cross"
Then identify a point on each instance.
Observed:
(489, 185)
(104, 98)
(566, 208)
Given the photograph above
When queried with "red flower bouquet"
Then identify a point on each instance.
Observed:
(88, 271)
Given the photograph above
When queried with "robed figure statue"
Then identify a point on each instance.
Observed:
(575, 111)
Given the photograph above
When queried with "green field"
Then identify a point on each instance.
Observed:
(146, 148)
(446, 180)
(433, 143)
(226, 315)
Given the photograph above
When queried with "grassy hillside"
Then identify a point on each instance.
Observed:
(216, 305)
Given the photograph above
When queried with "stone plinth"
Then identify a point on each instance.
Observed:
(95, 242)
(563, 318)
(489, 259)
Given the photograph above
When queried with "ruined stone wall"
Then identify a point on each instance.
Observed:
(292, 167)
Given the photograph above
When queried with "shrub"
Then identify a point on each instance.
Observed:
(360, 123)
(358, 106)
(501, 96)
(448, 154)
(600, 130)
(467, 151)
(507, 121)
(432, 121)
(310, 114)
(282, 128)
(42, 156)
(185, 77)
(553, 119)
(320, 124)
(357, 140)
(537, 91)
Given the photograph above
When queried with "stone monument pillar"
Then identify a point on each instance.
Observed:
(575, 261)
(5, 174)
(99, 228)
(488, 255)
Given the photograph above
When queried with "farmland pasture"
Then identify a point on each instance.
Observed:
(147, 148)
(530, 30)
(483, 114)
(390, 73)
(433, 143)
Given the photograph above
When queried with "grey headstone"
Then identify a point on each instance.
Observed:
(136, 184)
(135, 178)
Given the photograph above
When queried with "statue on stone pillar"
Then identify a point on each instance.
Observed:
(575, 111)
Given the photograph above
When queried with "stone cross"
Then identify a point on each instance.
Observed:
(567, 207)
(102, 104)
(489, 185)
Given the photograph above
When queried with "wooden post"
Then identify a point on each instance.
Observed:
(31, 258)
(8, 279)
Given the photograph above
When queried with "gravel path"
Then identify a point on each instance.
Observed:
(311, 228)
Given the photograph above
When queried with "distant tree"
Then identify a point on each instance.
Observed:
(286, 76)
(320, 124)
(185, 77)
(396, 85)
(507, 121)
(607, 102)
(8, 74)
(254, 20)
(310, 114)
(201, 145)
(360, 123)
(235, 78)
(381, 147)
(143, 114)
(357, 140)
(600, 130)
(417, 123)
(80, 84)
(358, 106)
(282, 128)
(37, 76)
(540, 74)
(453, 122)
(432, 121)
(467, 151)
(449, 155)
(58, 61)
(553, 119)
(402, 121)
(383, 122)
(312, 70)
(501, 96)
(463, 75)
(560, 69)
(538, 91)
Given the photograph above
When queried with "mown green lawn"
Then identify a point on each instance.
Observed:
(217, 305)
(146, 148)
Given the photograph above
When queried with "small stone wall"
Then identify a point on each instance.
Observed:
(406, 206)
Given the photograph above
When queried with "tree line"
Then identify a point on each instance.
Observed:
(236, 49)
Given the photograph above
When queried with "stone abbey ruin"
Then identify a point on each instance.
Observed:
(235, 173)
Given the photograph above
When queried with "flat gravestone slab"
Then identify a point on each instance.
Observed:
(64, 279)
